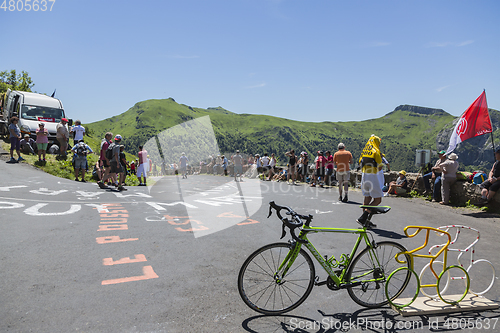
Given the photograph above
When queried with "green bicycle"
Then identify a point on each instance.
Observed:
(278, 277)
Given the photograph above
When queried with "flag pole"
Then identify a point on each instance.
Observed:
(493, 144)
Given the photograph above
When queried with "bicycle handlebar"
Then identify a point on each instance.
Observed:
(293, 223)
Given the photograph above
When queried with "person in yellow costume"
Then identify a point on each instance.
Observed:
(371, 164)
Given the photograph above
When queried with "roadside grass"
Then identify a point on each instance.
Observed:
(63, 168)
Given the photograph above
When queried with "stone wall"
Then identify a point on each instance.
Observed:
(461, 191)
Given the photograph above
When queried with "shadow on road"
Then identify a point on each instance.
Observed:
(371, 320)
(483, 215)
(388, 234)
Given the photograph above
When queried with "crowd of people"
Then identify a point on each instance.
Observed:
(323, 169)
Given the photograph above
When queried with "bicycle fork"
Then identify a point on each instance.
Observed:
(279, 275)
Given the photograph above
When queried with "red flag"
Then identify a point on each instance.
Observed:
(474, 121)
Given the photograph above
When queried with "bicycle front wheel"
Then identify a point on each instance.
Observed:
(369, 272)
(266, 288)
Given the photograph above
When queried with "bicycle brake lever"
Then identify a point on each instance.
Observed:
(283, 231)
(270, 211)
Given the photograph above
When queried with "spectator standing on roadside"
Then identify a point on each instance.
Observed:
(183, 161)
(15, 140)
(27, 145)
(292, 166)
(104, 162)
(371, 164)
(81, 164)
(42, 140)
(449, 170)
(305, 166)
(264, 160)
(238, 165)
(272, 167)
(124, 164)
(78, 131)
(62, 136)
(143, 167)
(342, 159)
(329, 168)
(116, 167)
(320, 169)
(224, 164)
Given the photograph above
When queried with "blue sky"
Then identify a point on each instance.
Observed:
(314, 60)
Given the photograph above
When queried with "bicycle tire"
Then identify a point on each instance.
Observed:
(266, 292)
(363, 269)
(409, 300)
(473, 289)
(450, 278)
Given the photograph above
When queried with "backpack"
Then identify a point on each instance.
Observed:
(109, 151)
(81, 150)
(479, 178)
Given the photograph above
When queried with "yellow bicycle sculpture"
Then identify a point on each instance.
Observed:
(447, 274)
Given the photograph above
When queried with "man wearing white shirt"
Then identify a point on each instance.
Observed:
(78, 132)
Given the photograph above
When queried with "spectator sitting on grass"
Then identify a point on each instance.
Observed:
(27, 145)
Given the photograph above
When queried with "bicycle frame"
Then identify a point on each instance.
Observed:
(412, 253)
(292, 255)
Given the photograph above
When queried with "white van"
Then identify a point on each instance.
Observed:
(32, 109)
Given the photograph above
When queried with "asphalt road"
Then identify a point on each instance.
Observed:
(166, 258)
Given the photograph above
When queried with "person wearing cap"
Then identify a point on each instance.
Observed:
(449, 170)
(62, 136)
(435, 177)
(183, 161)
(342, 159)
(491, 186)
(238, 165)
(42, 140)
(27, 145)
(400, 186)
(78, 131)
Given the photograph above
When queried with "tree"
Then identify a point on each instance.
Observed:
(12, 80)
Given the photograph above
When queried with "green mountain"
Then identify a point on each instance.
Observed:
(403, 130)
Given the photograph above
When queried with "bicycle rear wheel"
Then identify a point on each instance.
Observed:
(264, 289)
(369, 272)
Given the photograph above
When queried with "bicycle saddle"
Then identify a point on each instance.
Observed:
(377, 209)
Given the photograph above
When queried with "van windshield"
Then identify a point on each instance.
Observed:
(41, 113)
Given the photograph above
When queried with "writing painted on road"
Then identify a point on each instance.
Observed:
(114, 217)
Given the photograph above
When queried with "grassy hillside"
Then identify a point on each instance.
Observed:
(403, 130)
